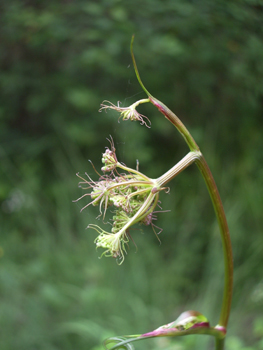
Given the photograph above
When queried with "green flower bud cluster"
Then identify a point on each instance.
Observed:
(109, 160)
(133, 195)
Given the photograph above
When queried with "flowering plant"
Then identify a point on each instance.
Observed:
(134, 197)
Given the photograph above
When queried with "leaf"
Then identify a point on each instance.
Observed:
(185, 321)
(189, 322)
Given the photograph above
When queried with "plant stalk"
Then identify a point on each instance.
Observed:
(225, 236)
(220, 343)
(214, 195)
(190, 158)
(217, 204)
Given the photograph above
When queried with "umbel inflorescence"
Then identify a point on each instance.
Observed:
(131, 194)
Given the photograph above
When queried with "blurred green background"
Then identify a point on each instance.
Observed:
(58, 61)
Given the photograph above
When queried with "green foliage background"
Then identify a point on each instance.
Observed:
(58, 61)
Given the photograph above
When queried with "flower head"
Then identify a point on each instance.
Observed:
(128, 113)
(133, 196)
(113, 243)
(109, 158)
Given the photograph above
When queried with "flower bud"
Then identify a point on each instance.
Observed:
(110, 160)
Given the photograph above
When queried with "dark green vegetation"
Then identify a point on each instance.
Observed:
(58, 61)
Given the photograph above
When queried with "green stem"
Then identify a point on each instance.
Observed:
(215, 197)
(190, 158)
(130, 170)
(218, 207)
(227, 249)
(176, 122)
(136, 69)
(164, 110)
(220, 343)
